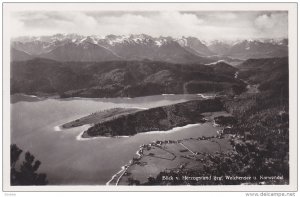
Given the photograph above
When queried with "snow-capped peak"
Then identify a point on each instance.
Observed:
(88, 39)
(158, 43)
(214, 63)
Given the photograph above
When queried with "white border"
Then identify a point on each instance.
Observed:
(290, 7)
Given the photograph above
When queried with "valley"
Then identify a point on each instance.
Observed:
(166, 107)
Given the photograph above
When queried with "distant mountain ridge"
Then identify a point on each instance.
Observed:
(18, 55)
(73, 47)
(257, 49)
(87, 51)
(119, 78)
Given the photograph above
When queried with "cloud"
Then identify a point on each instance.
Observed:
(204, 25)
(268, 21)
(274, 24)
(225, 16)
(16, 26)
(160, 24)
(46, 23)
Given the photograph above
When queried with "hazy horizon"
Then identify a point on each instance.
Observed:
(18, 38)
(204, 25)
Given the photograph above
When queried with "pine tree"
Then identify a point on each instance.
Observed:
(27, 172)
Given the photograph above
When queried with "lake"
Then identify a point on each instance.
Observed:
(69, 161)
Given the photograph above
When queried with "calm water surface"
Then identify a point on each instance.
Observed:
(68, 161)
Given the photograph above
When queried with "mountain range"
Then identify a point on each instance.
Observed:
(73, 47)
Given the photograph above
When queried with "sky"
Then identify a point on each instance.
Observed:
(205, 25)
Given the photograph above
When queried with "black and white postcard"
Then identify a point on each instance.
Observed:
(150, 96)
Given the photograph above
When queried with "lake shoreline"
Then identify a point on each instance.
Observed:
(125, 169)
(155, 119)
(68, 150)
(115, 179)
(36, 97)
